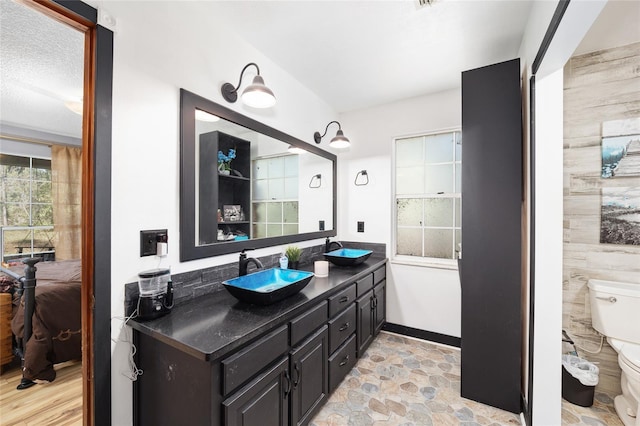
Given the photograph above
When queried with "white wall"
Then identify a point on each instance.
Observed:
(418, 297)
(160, 47)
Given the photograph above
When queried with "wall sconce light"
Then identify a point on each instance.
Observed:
(255, 95)
(339, 141)
(365, 178)
(317, 178)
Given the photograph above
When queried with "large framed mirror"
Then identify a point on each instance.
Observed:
(245, 185)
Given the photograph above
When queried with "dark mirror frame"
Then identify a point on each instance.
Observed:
(188, 248)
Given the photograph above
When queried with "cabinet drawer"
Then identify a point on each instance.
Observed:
(342, 362)
(308, 322)
(342, 327)
(379, 274)
(341, 300)
(242, 366)
(364, 284)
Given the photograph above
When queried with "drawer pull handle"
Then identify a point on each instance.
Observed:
(344, 361)
(344, 326)
(608, 299)
(344, 299)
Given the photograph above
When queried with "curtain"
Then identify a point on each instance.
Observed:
(66, 194)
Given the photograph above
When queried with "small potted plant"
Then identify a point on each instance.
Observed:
(293, 254)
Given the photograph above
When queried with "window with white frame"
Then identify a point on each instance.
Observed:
(428, 196)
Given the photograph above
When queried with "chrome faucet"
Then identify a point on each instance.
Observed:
(244, 262)
(328, 244)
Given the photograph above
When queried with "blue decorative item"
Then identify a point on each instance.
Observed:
(224, 161)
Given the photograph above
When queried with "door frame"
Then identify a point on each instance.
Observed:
(96, 203)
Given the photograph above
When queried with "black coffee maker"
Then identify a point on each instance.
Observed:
(156, 293)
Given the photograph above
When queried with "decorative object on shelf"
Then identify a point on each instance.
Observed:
(365, 178)
(256, 95)
(339, 140)
(293, 254)
(316, 181)
(220, 219)
(224, 161)
(232, 213)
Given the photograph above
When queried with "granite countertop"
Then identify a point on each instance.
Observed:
(215, 324)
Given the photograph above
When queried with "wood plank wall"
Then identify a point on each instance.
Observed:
(599, 86)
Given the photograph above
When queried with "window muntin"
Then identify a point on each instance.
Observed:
(428, 196)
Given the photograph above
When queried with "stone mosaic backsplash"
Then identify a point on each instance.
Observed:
(193, 284)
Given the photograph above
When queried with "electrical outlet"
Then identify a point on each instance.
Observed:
(321, 225)
(149, 241)
(360, 226)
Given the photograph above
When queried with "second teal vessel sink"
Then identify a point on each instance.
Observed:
(268, 286)
(347, 256)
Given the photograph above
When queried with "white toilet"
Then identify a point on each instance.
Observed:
(615, 313)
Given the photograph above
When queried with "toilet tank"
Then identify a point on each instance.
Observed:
(615, 309)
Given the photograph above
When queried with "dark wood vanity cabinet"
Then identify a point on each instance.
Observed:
(265, 401)
(371, 310)
(309, 377)
(281, 378)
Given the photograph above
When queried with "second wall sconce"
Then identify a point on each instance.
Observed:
(339, 141)
(255, 95)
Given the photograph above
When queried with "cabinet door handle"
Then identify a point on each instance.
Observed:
(344, 326)
(288, 380)
(344, 361)
(344, 299)
(296, 370)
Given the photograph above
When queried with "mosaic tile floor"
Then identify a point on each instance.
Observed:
(404, 381)
(601, 413)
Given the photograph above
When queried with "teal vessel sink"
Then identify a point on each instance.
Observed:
(347, 256)
(268, 286)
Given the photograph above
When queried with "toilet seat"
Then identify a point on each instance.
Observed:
(630, 355)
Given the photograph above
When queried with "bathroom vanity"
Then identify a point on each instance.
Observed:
(215, 360)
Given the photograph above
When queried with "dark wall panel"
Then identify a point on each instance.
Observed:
(491, 238)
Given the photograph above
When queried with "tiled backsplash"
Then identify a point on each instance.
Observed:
(192, 284)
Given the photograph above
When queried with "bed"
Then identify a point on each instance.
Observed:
(46, 316)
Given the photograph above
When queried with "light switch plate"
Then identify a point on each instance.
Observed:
(360, 226)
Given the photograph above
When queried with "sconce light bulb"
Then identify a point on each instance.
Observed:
(257, 95)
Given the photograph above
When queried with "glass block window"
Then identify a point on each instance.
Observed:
(275, 196)
(428, 196)
(26, 211)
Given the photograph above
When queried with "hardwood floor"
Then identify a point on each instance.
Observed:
(57, 403)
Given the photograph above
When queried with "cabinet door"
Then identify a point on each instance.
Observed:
(379, 304)
(262, 402)
(364, 306)
(309, 377)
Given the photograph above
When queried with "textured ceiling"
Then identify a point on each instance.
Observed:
(41, 67)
